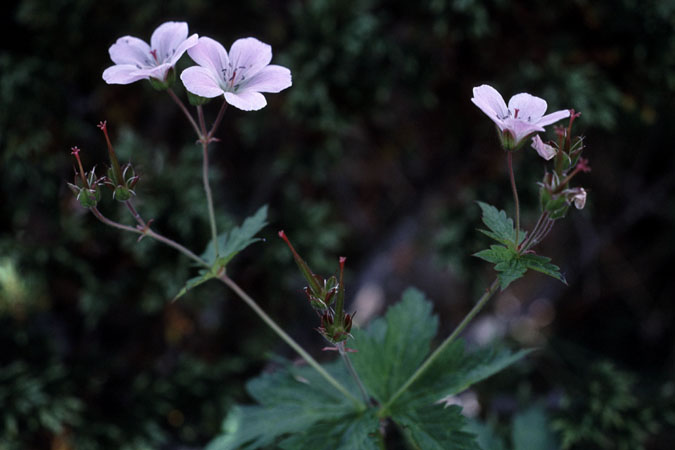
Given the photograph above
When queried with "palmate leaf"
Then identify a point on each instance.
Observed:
(511, 265)
(297, 409)
(230, 243)
(454, 371)
(394, 346)
(290, 401)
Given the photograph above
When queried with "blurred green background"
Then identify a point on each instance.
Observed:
(375, 153)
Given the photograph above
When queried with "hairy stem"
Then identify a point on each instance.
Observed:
(145, 231)
(289, 340)
(384, 410)
(209, 197)
(181, 105)
(515, 192)
(345, 357)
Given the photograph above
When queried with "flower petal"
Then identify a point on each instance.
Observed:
(248, 56)
(131, 50)
(549, 119)
(271, 78)
(166, 39)
(210, 54)
(529, 107)
(124, 74)
(521, 128)
(246, 101)
(545, 151)
(201, 81)
(490, 102)
(186, 44)
(159, 72)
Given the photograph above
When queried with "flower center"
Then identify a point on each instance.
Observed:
(154, 55)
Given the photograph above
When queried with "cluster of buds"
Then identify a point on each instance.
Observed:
(120, 179)
(555, 192)
(326, 296)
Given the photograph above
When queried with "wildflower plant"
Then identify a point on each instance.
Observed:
(387, 375)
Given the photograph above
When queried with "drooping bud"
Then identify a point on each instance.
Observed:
(544, 150)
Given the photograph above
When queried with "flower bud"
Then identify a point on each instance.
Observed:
(89, 197)
(122, 193)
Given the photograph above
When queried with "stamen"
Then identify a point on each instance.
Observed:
(515, 114)
(154, 55)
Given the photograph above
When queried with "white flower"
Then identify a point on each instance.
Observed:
(523, 117)
(240, 76)
(136, 60)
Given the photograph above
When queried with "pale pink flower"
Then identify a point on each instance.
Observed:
(523, 116)
(240, 76)
(545, 151)
(136, 60)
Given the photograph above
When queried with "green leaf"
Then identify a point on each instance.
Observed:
(486, 438)
(510, 271)
(394, 346)
(454, 371)
(356, 432)
(542, 264)
(531, 431)
(512, 265)
(204, 276)
(434, 427)
(237, 239)
(292, 400)
(500, 226)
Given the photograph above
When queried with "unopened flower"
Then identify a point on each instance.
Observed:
(240, 76)
(545, 151)
(136, 60)
(523, 117)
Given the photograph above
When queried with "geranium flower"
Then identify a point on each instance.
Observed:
(136, 60)
(523, 117)
(240, 76)
(545, 151)
(577, 196)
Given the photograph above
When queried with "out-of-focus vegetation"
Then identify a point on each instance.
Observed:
(375, 153)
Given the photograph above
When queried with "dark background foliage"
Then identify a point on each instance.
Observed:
(376, 153)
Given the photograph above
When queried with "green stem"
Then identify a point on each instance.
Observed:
(515, 193)
(219, 118)
(384, 410)
(341, 348)
(289, 340)
(209, 197)
(182, 107)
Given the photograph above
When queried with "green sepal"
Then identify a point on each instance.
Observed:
(88, 198)
(196, 100)
(163, 85)
(122, 193)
